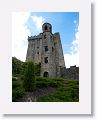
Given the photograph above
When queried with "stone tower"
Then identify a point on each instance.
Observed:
(46, 49)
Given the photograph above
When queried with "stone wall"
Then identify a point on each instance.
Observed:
(36, 51)
(70, 73)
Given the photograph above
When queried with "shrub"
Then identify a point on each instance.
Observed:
(22, 77)
(17, 93)
(14, 79)
(37, 69)
(15, 84)
(29, 79)
(45, 82)
(16, 65)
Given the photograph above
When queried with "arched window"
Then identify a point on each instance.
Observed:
(46, 74)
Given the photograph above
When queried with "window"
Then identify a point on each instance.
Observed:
(45, 27)
(37, 52)
(46, 48)
(46, 74)
(52, 49)
(46, 59)
(51, 37)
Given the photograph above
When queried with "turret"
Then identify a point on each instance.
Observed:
(47, 27)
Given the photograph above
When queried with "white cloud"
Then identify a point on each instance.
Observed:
(38, 22)
(73, 58)
(20, 34)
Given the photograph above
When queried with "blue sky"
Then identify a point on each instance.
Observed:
(62, 22)
(30, 23)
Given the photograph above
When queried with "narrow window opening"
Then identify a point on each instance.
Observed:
(52, 49)
(46, 48)
(46, 59)
(37, 52)
(45, 27)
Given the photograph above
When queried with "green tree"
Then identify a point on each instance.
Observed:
(29, 79)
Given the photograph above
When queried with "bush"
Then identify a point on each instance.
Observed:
(22, 77)
(37, 69)
(14, 79)
(17, 93)
(16, 65)
(45, 82)
(15, 84)
(29, 79)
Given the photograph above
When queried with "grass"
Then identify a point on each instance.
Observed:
(42, 82)
(66, 90)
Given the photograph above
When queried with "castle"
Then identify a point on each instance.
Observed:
(46, 49)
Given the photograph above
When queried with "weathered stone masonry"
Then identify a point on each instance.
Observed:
(46, 49)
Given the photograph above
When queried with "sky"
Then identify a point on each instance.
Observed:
(26, 24)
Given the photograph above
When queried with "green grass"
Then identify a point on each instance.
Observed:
(69, 92)
(66, 90)
(42, 82)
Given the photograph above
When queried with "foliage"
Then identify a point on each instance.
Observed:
(19, 68)
(29, 80)
(42, 82)
(14, 79)
(67, 93)
(26, 77)
(37, 69)
(23, 68)
(15, 84)
(17, 93)
(16, 66)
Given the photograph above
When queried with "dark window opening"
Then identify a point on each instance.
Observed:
(46, 48)
(51, 37)
(45, 27)
(52, 49)
(46, 59)
(46, 74)
(37, 52)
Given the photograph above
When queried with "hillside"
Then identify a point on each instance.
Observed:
(46, 89)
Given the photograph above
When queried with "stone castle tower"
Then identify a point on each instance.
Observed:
(46, 49)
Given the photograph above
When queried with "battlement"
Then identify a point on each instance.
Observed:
(70, 73)
(35, 37)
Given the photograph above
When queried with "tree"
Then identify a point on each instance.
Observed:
(29, 79)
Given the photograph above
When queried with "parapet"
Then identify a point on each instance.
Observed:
(35, 37)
